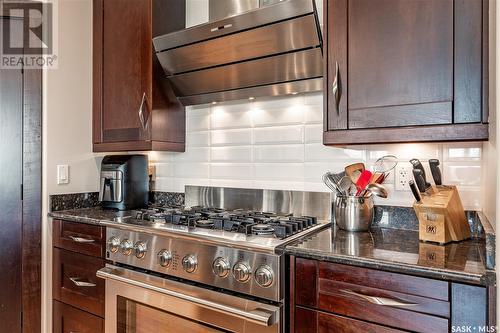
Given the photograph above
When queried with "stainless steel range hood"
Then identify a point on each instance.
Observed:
(267, 51)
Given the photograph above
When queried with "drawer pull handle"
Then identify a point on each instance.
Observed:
(81, 240)
(379, 300)
(78, 283)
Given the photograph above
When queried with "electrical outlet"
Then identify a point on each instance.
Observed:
(403, 176)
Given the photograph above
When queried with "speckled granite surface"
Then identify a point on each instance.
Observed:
(168, 199)
(73, 201)
(399, 251)
(92, 215)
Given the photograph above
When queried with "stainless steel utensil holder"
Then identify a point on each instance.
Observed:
(353, 213)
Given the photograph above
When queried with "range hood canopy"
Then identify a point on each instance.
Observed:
(268, 51)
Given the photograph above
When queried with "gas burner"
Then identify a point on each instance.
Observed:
(206, 224)
(262, 229)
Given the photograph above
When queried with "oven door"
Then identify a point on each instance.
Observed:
(142, 303)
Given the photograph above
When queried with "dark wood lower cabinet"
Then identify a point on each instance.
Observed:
(68, 319)
(78, 294)
(329, 297)
(312, 321)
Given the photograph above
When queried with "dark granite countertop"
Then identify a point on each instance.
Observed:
(400, 251)
(92, 215)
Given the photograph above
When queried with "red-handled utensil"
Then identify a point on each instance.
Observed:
(363, 181)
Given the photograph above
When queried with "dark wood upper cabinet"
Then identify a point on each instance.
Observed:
(132, 106)
(405, 71)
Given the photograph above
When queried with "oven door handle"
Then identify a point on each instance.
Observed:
(262, 316)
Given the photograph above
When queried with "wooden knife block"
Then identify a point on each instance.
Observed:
(441, 216)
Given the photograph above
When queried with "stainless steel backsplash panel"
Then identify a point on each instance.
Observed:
(277, 201)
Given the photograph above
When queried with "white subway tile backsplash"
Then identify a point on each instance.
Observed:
(231, 170)
(198, 139)
(280, 153)
(314, 133)
(277, 117)
(231, 137)
(191, 170)
(276, 143)
(279, 134)
(222, 118)
(279, 171)
(232, 154)
(319, 152)
(464, 173)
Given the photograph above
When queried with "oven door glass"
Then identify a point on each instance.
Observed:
(137, 302)
(134, 317)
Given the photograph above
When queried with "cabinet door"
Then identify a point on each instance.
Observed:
(68, 319)
(126, 70)
(390, 63)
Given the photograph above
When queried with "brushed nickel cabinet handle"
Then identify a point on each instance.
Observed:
(335, 88)
(379, 300)
(78, 283)
(142, 118)
(81, 240)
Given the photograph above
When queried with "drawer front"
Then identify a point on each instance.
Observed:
(75, 281)
(79, 237)
(68, 319)
(395, 300)
(312, 321)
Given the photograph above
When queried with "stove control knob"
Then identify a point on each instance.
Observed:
(189, 263)
(241, 272)
(113, 244)
(165, 258)
(221, 267)
(126, 247)
(140, 250)
(264, 276)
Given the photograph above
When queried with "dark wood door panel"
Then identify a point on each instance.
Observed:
(75, 281)
(11, 178)
(67, 319)
(400, 52)
(389, 281)
(79, 237)
(312, 321)
(331, 288)
(124, 68)
(402, 115)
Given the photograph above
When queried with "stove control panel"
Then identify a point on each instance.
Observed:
(164, 258)
(190, 263)
(227, 267)
(241, 272)
(221, 267)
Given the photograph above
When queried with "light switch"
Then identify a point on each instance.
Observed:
(62, 174)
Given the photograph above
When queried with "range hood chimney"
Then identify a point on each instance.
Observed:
(270, 50)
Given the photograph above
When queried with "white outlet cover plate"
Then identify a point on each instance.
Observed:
(62, 174)
(402, 176)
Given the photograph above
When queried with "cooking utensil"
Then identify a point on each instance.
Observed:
(417, 165)
(354, 171)
(353, 213)
(415, 191)
(345, 185)
(436, 172)
(377, 178)
(377, 190)
(419, 180)
(331, 184)
(363, 181)
(385, 164)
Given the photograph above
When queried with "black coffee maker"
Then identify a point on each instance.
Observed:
(124, 182)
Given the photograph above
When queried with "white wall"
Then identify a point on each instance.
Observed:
(67, 132)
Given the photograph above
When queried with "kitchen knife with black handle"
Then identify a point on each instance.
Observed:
(419, 180)
(436, 172)
(415, 191)
(417, 165)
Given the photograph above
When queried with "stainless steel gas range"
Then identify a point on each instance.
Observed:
(216, 265)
